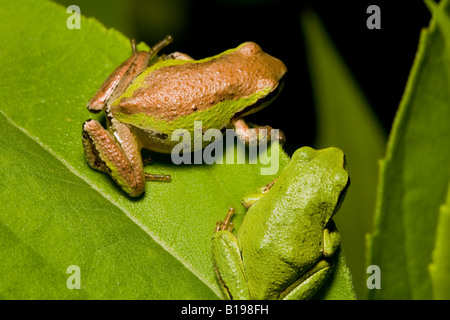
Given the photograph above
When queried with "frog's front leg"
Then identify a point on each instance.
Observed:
(255, 135)
(251, 198)
(227, 261)
(116, 152)
(331, 239)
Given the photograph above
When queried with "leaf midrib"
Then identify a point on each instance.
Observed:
(155, 238)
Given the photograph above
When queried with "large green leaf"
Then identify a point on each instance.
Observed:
(52, 219)
(346, 120)
(57, 212)
(415, 172)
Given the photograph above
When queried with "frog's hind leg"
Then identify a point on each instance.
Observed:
(309, 283)
(121, 161)
(90, 150)
(227, 261)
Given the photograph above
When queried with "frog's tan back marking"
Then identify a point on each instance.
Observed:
(179, 90)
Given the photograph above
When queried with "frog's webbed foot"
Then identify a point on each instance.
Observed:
(257, 134)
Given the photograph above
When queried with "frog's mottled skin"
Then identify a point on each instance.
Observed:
(147, 98)
(283, 247)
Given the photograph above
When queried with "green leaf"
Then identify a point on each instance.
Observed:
(57, 212)
(440, 265)
(415, 172)
(117, 13)
(52, 219)
(346, 120)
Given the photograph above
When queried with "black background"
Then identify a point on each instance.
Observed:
(380, 60)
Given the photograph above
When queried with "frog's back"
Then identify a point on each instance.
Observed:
(175, 89)
(282, 236)
(278, 258)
